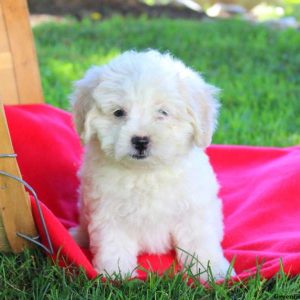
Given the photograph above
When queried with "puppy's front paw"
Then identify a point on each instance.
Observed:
(117, 267)
(205, 269)
(221, 269)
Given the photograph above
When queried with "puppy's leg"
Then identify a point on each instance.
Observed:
(198, 246)
(115, 252)
(80, 232)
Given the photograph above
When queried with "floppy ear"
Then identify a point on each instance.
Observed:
(83, 102)
(203, 108)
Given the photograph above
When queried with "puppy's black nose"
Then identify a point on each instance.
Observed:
(140, 142)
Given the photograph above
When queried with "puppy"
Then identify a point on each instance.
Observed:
(146, 182)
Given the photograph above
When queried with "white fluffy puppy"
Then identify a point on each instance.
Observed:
(147, 184)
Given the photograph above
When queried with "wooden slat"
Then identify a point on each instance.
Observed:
(8, 85)
(22, 50)
(14, 201)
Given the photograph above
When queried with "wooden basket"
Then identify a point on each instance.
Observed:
(19, 84)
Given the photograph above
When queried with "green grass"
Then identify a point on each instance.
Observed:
(31, 276)
(258, 71)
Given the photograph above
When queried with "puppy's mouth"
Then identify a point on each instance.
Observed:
(139, 156)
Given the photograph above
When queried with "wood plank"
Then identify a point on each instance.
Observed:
(4, 46)
(14, 201)
(21, 43)
(8, 86)
(6, 60)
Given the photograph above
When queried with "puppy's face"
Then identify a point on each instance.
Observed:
(141, 119)
(145, 108)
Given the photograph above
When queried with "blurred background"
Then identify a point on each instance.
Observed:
(255, 10)
(250, 49)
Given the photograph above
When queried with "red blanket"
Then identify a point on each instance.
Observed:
(260, 192)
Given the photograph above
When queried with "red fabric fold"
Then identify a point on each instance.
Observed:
(260, 189)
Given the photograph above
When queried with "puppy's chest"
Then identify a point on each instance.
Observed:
(140, 197)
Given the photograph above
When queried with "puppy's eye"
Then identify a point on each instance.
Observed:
(163, 112)
(119, 113)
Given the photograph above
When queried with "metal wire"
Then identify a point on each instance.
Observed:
(8, 155)
(33, 240)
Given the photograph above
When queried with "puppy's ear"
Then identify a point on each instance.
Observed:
(83, 102)
(203, 108)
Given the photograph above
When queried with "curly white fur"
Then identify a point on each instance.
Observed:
(164, 196)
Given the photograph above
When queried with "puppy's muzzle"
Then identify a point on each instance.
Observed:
(141, 144)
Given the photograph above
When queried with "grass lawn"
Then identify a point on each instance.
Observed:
(258, 71)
